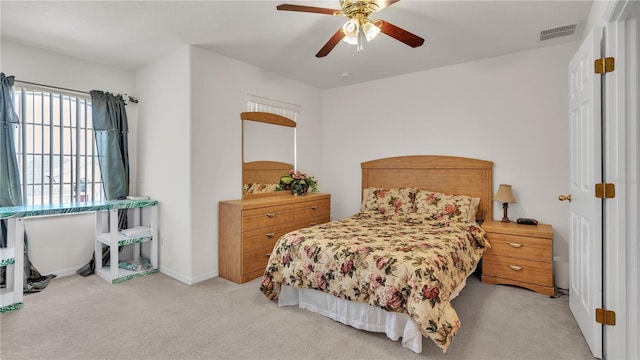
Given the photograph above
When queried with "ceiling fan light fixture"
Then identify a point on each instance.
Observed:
(358, 28)
(370, 30)
(351, 29)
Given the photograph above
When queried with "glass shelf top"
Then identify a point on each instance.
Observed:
(72, 208)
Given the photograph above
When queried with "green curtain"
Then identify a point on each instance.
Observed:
(111, 133)
(110, 129)
(10, 192)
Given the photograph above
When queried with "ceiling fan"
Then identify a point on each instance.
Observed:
(358, 27)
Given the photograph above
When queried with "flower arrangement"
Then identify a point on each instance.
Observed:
(298, 182)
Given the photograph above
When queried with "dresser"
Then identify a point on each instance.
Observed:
(249, 228)
(520, 255)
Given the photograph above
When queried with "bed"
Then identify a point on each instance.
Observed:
(395, 266)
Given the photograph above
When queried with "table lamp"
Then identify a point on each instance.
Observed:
(505, 196)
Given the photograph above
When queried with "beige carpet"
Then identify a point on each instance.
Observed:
(156, 317)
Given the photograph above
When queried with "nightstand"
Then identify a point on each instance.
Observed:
(520, 255)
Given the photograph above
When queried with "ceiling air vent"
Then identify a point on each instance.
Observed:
(559, 31)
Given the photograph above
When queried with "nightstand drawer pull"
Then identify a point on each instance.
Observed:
(267, 254)
(270, 215)
(313, 223)
(515, 245)
(270, 235)
(313, 207)
(515, 268)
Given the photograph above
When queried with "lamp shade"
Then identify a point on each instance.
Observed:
(370, 30)
(504, 194)
(351, 30)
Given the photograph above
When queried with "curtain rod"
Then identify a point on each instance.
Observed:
(126, 96)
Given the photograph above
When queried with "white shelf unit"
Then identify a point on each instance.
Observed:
(144, 221)
(11, 257)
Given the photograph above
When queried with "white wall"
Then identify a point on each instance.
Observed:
(511, 110)
(596, 15)
(52, 247)
(219, 90)
(190, 147)
(164, 151)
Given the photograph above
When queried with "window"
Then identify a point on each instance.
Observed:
(258, 103)
(55, 147)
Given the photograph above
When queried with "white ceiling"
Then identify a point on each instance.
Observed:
(131, 34)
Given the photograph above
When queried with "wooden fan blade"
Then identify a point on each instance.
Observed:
(335, 39)
(309, 9)
(399, 34)
(384, 3)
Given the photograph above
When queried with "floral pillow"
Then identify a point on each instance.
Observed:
(389, 201)
(443, 207)
(257, 188)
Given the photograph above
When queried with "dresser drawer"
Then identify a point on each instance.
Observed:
(303, 223)
(267, 217)
(534, 272)
(266, 210)
(264, 237)
(306, 214)
(311, 204)
(311, 209)
(522, 247)
(255, 260)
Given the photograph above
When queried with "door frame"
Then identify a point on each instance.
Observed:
(621, 156)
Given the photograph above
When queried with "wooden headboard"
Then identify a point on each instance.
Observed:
(446, 174)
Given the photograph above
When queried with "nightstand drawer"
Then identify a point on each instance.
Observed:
(522, 247)
(534, 272)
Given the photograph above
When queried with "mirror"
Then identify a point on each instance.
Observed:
(268, 152)
(268, 142)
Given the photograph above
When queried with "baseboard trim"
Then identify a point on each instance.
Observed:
(187, 279)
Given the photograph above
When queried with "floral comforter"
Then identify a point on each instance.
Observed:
(400, 263)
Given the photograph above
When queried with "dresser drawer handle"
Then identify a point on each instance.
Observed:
(267, 254)
(515, 245)
(270, 215)
(270, 235)
(515, 268)
(313, 207)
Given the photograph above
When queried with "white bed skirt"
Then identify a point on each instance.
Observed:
(359, 315)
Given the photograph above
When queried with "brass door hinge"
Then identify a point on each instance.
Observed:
(605, 191)
(604, 65)
(605, 317)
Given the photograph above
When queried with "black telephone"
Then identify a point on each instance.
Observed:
(527, 221)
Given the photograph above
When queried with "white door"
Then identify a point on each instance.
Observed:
(585, 248)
